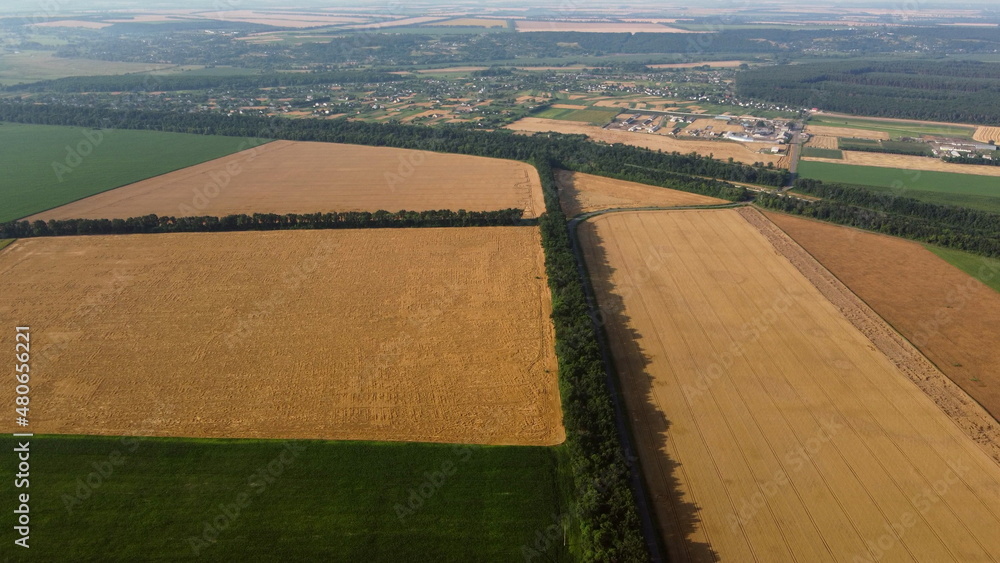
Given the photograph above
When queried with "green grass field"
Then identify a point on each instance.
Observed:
(41, 173)
(321, 501)
(895, 129)
(969, 190)
(822, 153)
(986, 270)
(595, 116)
(5, 242)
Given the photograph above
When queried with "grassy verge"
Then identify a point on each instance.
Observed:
(986, 270)
(179, 499)
(46, 166)
(5, 242)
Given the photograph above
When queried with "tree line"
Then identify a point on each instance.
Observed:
(944, 225)
(604, 504)
(964, 91)
(976, 159)
(261, 222)
(571, 151)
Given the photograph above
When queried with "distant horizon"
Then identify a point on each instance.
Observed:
(42, 8)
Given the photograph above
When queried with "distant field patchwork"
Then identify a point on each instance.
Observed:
(48, 166)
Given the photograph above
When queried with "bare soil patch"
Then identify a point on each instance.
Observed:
(583, 193)
(302, 177)
(721, 150)
(439, 335)
(769, 427)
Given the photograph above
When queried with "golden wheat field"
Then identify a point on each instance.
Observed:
(823, 142)
(431, 335)
(987, 134)
(719, 149)
(769, 427)
(302, 177)
(583, 193)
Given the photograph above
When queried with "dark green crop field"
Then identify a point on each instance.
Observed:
(47, 166)
(156, 499)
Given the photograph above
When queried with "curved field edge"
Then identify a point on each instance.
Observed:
(986, 270)
(4, 243)
(48, 166)
(271, 500)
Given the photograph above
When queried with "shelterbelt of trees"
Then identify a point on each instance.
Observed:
(949, 226)
(605, 505)
(963, 91)
(170, 83)
(978, 159)
(574, 152)
(260, 222)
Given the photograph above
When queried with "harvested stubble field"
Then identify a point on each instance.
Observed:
(823, 142)
(846, 132)
(721, 150)
(908, 162)
(432, 335)
(987, 134)
(770, 428)
(303, 177)
(948, 315)
(583, 193)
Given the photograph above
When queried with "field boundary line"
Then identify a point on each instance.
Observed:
(960, 408)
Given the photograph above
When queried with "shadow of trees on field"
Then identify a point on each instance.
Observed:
(675, 516)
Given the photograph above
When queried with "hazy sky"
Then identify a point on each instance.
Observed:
(57, 7)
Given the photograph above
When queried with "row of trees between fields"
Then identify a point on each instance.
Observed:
(944, 225)
(261, 222)
(605, 507)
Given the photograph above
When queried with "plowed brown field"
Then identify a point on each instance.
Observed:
(721, 150)
(297, 177)
(768, 426)
(439, 335)
(582, 193)
(947, 314)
